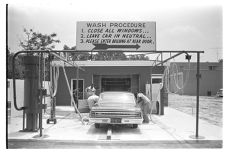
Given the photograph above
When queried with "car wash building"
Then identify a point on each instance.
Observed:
(132, 76)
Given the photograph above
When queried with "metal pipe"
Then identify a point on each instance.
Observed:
(197, 95)
(161, 59)
(71, 95)
(144, 51)
(14, 84)
(156, 60)
(77, 87)
(7, 51)
(41, 96)
(23, 119)
(170, 58)
(80, 51)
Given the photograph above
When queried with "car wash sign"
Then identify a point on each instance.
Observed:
(135, 36)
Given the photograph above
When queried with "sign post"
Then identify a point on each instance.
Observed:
(106, 35)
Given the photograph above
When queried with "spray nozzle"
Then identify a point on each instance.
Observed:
(188, 57)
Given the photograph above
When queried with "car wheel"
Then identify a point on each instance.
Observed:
(97, 125)
(135, 126)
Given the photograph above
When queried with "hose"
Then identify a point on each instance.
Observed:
(14, 83)
(54, 76)
(176, 76)
(67, 82)
(174, 71)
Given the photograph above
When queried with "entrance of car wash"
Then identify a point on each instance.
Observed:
(116, 82)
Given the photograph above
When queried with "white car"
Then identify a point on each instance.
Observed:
(116, 108)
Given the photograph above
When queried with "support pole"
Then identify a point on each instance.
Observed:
(198, 76)
(161, 59)
(23, 120)
(77, 87)
(197, 95)
(31, 99)
(41, 96)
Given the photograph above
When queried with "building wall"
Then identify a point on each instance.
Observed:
(63, 96)
(211, 78)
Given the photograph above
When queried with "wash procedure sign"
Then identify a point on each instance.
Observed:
(107, 35)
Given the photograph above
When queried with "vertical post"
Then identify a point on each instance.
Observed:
(23, 119)
(40, 100)
(161, 59)
(77, 86)
(197, 94)
(7, 51)
(31, 86)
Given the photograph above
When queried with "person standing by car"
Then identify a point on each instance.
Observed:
(90, 90)
(93, 99)
(144, 104)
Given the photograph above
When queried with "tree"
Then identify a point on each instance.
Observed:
(102, 56)
(19, 68)
(33, 41)
(38, 41)
(110, 55)
(79, 56)
(138, 57)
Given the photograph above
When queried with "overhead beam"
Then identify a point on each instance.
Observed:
(169, 58)
(132, 51)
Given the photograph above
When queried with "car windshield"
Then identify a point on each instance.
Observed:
(117, 98)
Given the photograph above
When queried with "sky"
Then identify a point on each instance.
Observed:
(179, 26)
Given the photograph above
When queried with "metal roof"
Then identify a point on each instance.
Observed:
(108, 63)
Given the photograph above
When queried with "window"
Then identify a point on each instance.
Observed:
(156, 78)
(212, 68)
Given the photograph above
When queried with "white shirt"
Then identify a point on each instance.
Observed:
(141, 95)
(92, 100)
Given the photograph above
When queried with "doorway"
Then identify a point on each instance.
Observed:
(116, 84)
(80, 88)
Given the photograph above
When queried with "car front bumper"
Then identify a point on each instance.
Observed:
(110, 120)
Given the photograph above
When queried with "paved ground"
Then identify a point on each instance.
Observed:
(65, 144)
(211, 108)
(172, 130)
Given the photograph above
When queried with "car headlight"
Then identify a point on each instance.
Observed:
(92, 114)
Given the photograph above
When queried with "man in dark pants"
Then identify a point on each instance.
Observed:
(144, 104)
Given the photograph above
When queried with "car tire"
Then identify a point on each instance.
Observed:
(135, 126)
(97, 125)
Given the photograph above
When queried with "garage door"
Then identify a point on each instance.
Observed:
(116, 84)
